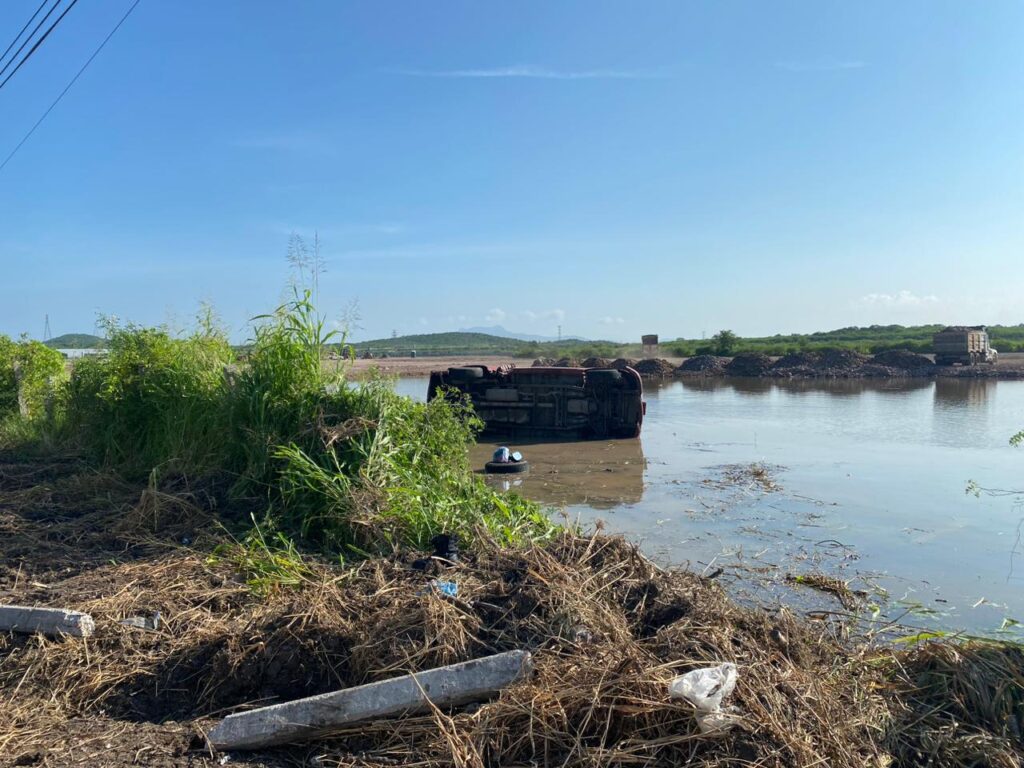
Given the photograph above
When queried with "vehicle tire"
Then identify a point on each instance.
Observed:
(604, 376)
(465, 374)
(506, 467)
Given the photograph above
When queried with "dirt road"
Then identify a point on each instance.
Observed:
(422, 366)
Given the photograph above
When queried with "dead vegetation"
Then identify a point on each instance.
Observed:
(608, 630)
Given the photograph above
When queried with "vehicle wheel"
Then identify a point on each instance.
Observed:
(506, 467)
(604, 376)
(465, 374)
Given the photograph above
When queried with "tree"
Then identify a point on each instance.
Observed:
(725, 342)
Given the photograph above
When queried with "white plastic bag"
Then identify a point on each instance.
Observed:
(705, 688)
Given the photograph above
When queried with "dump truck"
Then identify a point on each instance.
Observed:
(967, 345)
(579, 403)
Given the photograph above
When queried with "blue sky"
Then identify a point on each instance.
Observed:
(612, 167)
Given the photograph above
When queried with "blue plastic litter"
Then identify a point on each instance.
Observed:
(449, 588)
(501, 455)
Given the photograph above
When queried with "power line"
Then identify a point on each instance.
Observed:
(18, 36)
(39, 42)
(28, 39)
(68, 86)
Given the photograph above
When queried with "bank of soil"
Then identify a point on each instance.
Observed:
(607, 628)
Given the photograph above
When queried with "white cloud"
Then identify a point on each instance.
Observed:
(611, 321)
(534, 72)
(558, 315)
(820, 65)
(496, 315)
(902, 299)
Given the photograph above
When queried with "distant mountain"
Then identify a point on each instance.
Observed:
(76, 341)
(497, 330)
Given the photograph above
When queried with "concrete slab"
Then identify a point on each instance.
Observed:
(48, 621)
(319, 715)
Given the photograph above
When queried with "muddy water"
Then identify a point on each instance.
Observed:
(865, 480)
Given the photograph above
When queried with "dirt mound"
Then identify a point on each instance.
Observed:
(596, 362)
(841, 359)
(623, 362)
(751, 364)
(655, 367)
(703, 364)
(544, 362)
(567, 362)
(826, 363)
(903, 359)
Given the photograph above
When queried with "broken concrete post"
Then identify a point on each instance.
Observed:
(319, 715)
(48, 621)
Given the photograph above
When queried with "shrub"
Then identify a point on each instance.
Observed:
(29, 375)
(152, 400)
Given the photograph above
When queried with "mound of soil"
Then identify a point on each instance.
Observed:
(841, 359)
(596, 362)
(703, 364)
(568, 362)
(655, 367)
(544, 362)
(751, 364)
(826, 363)
(903, 359)
(623, 362)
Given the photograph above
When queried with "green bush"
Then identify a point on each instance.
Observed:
(349, 467)
(152, 400)
(30, 374)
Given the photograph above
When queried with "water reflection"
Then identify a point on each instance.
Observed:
(601, 474)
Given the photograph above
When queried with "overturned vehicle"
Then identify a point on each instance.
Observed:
(586, 403)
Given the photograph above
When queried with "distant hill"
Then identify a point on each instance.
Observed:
(497, 330)
(76, 341)
(472, 343)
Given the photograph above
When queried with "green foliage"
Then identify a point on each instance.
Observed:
(30, 372)
(724, 342)
(1017, 439)
(153, 399)
(351, 468)
(267, 566)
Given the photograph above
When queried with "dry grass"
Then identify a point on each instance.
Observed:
(608, 630)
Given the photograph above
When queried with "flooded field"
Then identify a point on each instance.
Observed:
(864, 480)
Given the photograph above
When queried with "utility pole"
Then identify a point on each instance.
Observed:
(559, 333)
(47, 335)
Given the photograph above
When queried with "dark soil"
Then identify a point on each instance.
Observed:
(596, 362)
(655, 368)
(707, 364)
(903, 359)
(754, 364)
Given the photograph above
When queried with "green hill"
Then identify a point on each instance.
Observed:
(462, 343)
(76, 341)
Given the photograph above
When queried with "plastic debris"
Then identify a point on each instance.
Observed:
(449, 588)
(151, 623)
(705, 689)
(502, 455)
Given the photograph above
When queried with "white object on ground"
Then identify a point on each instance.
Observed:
(705, 688)
(49, 621)
(319, 715)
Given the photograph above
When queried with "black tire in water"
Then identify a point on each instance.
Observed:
(506, 467)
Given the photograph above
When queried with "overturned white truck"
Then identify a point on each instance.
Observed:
(584, 403)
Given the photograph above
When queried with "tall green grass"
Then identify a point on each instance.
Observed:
(30, 376)
(350, 467)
